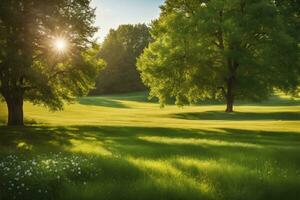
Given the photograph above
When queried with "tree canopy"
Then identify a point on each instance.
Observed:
(120, 50)
(31, 66)
(232, 49)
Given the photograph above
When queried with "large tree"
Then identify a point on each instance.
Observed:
(46, 54)
(120, 50)
(222, 49)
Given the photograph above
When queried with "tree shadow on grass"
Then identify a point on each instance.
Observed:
(150, 142)
(239, 116)
(142, 97)
(277, 101)
(100, 101)
(169, 163)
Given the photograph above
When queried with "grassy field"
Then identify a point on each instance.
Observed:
(125, 147)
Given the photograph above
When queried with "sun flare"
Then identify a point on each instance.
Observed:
(60, 44)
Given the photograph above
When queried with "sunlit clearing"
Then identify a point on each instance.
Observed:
(167, 175)
(60, 44)
(210, 166)
(196, 141)
(88, 146)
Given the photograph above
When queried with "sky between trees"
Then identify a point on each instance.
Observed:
(112, 13)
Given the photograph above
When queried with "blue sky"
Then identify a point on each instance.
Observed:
(112, 13)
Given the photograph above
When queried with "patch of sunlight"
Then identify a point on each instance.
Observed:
(196, 141)
(54, 143)
(93, 147)
(91, 138)
(209, 166)
(156, 167)
(167, 175)
(24, 146)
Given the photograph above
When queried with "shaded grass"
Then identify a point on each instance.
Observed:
(277, 100)
(144, 152)
(170, 163)
(237, 116)
(99, 101)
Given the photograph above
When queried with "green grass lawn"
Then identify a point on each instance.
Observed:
(125, 147)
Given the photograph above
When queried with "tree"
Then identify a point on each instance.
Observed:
(46, 53)
(213, 49)
(120, 50)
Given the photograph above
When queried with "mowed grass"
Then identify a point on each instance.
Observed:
(125, 147)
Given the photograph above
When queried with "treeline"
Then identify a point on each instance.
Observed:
(120, 51)
(201, 50)
(197, 49)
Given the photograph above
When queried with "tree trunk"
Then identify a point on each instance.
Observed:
(229, 101)
(15, 109)
(230, 93)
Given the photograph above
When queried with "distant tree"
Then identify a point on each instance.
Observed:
(213, 49)
(33, 65)
(120, 50)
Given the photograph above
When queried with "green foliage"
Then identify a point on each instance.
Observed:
(72, 78)
(120, 50)
(30, 66)
(221, 50)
